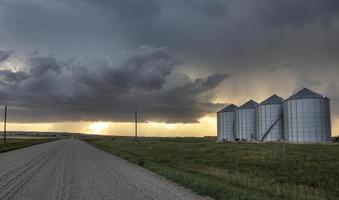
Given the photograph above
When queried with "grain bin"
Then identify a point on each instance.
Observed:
(269, 119)
(245, 121)
(225, 124)
(307, 117)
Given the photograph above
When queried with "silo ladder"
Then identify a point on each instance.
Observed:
(268, 131)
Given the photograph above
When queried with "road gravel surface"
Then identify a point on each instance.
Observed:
(72, 169)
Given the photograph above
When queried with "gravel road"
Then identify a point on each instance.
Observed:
(72, 169)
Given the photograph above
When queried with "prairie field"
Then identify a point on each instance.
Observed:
(234, 170)
(17, 143)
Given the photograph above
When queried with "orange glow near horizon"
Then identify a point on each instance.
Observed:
(205, 127)
(98, 127)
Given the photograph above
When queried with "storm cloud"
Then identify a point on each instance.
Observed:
(110, 53)
(48, 89)
(4, 55)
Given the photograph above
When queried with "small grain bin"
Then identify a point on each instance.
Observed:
(245, 121)
(269, 119)
(225, 123)
(307, 117)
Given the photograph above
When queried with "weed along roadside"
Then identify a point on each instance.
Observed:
(235, 170)
(12, 144)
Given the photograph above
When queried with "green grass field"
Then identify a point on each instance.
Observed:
(235, 170)
(12, 144)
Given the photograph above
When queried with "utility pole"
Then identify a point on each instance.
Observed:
(5, 121)
(136, 123)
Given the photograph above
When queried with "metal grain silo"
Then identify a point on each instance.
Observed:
(269, 119)
(307, 117)
(245, 121)
(225, 123)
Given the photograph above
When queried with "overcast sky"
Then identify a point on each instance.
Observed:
(176, 60)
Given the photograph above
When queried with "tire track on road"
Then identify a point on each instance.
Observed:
(14, 179)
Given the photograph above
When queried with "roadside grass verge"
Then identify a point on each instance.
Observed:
(235, 170)
(12, 144)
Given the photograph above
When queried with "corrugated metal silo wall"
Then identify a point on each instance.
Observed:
(219, 139)
(269, 118)
(307, 120)
(226, 126)
(245, 124)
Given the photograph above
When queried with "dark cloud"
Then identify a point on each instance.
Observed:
(284, 66)
(131, 9)
(4, 55)
(277, 46)
(10, 76)
(296, 13)
(145, 69)
(42, 65)
(52, 90)
(212, 8)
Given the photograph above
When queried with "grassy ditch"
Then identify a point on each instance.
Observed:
(235, 170)
(12, 144)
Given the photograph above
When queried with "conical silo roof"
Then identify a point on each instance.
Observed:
(274, 99)
(306, 94)
(249, 105)
(229, 108)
